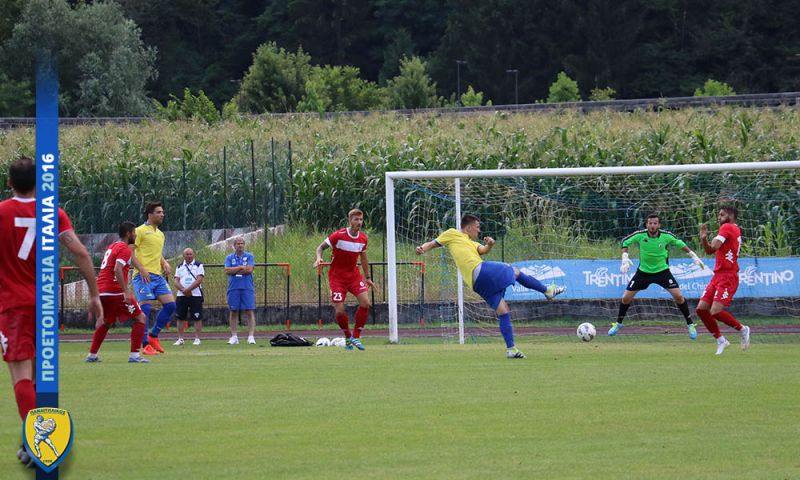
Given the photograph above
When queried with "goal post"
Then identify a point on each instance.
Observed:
(573, 216)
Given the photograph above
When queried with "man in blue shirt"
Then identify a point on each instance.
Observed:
(241, 290)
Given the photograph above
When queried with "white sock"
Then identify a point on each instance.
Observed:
(135, 355)
(721, 340)
(92, 355)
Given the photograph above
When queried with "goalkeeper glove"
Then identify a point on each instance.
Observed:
(626, 263)
(697, 260)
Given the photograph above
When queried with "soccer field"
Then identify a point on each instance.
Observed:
(630, 407)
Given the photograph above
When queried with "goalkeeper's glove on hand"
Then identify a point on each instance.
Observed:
(626, 263)
(697, 260)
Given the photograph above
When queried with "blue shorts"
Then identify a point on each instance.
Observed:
(492, 282)
(150, 291)
(240, 299)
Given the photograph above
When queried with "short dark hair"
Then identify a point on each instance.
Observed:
(469, 219)
(730, 210)
(22, 175)
(653, 215)
(150, 207)
(125, 228)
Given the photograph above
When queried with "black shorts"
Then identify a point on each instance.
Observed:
(642, 280)
(183, 304)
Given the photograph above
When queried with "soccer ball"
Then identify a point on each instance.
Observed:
(338, 342)
(324, 342)
(586, 332)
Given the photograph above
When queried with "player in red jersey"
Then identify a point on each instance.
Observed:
(117, 296)
(349, 245)
(18, 280)
(719, 292)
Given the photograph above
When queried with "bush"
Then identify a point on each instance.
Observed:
(472, 98)
(412, 88)
(276, 81)
(713, 88)
(602, 94)
(336, 89)
(198, 107)
(564, 89)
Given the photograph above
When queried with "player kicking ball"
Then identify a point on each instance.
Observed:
(349, 245)
(653, 268)
(487, 279)
(117, 297)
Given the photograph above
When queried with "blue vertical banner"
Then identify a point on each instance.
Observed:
(47, 237)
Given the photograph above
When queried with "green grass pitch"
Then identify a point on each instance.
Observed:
(628, 407)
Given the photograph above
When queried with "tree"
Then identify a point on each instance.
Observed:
(412, 88)
(601, 94)
(276, 80)
(103, 64)
(336, 89)
(472, 98)
(564, 89)
(189, 107)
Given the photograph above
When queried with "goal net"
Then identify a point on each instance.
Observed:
(565, 226)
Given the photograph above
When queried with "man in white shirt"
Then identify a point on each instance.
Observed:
(188, 280)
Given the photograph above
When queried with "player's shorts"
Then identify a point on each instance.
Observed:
(117, 308)
(241, 299)
(492, 281)
(150, 291)
(341, 284)
(184, 304)
(18, 334)
(641, 280)
(721, 288)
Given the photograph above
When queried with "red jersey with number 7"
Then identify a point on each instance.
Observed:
(346, 250)
(117, 252)
(727, 260)
(18, 251)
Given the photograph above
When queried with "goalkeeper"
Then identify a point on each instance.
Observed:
(654, 246)
(487, 279)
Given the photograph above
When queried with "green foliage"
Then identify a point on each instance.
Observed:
(275, 81)
(471, 98)
(412, 88)
(103, 64)
(564, 89)
(335, 89)
(601, 94)
(190, 107)
(16, 98)
(714, 88)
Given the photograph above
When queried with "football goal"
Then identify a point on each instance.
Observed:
(565, 226)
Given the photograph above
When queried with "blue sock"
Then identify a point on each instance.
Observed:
(146, 308)
(506, 329)
(529, 282)
(163, 318)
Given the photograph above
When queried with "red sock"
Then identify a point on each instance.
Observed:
(728, 319)
(25, 393)
(362, 315)
(344, 324)
(98, 337)
(709, 322)
(137, 335)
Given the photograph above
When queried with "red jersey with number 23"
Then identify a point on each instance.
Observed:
(727, 260)
(346, 250)
(18, 251)
(118, 252)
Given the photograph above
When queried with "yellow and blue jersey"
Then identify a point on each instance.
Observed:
(464, 251)
(149, 248)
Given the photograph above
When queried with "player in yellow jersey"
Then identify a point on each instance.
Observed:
(487, 279)
(149, 278)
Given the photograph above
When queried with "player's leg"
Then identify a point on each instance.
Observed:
(360, 290)
(624, 305)
(99, 335)
(137, 335)
(490, 283)
(18, 338)
(703, 311)
(164, 296)
(21, 372)
(683, 306)
(507, 330)
(530, 282)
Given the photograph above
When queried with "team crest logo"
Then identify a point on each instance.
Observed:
(47, 436)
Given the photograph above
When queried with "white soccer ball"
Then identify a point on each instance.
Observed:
(586, 332)
(324, 342)
(338, 342)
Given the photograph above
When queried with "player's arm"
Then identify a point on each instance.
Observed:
(427, 247)
(165, 267)
(627, 263)
(488, 243)
(365, 269)
(322, 246)
(84, 262)
(715, 243)
(136, 263)
(694, 257)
